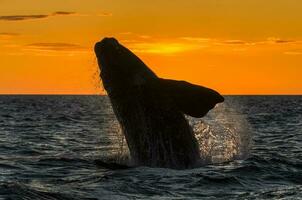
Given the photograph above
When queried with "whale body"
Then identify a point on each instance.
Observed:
(151, 110)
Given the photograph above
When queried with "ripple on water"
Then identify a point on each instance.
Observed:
(48, 146)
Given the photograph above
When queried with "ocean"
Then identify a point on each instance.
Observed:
(49, 145)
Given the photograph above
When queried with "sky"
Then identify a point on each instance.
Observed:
(233, 46)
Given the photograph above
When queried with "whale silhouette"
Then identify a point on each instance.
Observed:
(151, 110)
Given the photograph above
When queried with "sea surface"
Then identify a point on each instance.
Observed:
(49, 145)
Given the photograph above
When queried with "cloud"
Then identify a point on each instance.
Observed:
(293, 53)
(60, 13)
(271, 40)
(284, 41)
(33, 17)
(164, 48)
(22, 17)
(105, 14)
(8, 34)
(279, 41)
(234, 42)
(196, 39)
(145, 36)
(55, 47)
(214, 41)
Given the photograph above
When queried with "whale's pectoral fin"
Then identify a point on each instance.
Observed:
(192, 100)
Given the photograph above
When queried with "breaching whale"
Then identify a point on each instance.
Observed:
(151, 110)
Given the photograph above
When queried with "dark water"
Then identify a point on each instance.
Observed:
(48, 145)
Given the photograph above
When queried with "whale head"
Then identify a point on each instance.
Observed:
(107, 51)
(119, 67)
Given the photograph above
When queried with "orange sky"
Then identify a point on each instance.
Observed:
(233, 46)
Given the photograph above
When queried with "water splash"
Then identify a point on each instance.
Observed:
(96, 82)
(223, 135)
(119, 151)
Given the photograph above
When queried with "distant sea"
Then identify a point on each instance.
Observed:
(49, 144)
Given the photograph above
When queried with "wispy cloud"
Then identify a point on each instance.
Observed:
(34, 17)
(105, 14)
(8, 34)
(5, 36)
(169, 46)
(293, 53)
(234, 42)
(279, 41)
(60, 13)
(196, 39)
(22, 17)
(148, 44)
(55, 47)
(164, 47)
(161, 48)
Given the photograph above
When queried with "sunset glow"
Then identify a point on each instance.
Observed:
(233, 46)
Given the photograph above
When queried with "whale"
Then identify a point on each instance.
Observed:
(151, 110)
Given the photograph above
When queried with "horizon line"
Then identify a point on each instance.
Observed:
(93, 94)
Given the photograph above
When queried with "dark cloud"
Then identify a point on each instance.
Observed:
(234, 42)
(55, 46)
(21, 17)
(8, 34)
(105, 14)
(63, 13)
(280, 41)
(284, 41)
(32, 17)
